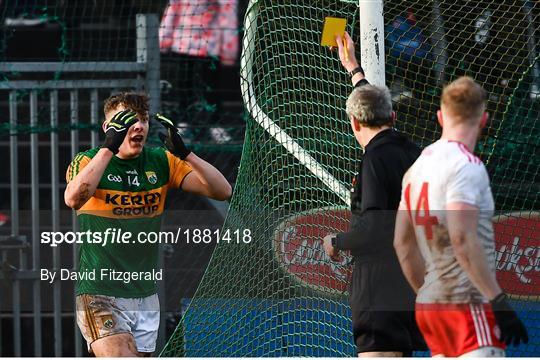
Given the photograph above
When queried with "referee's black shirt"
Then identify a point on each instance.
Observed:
(375, 195)
(382, 303)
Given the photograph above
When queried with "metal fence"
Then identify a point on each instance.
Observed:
(21, 254)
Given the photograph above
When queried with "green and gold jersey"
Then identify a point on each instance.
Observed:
(130, 197)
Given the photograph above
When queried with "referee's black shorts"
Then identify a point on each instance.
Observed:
(382, 305)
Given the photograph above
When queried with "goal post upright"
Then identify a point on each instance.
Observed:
(269, 125)
(372, 40)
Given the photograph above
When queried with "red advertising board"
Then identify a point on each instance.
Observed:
(297, 246)
(517, 239)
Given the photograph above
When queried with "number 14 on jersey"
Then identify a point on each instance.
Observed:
(133, 180)
(422, 204)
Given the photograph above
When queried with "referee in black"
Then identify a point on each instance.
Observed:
(381, 300)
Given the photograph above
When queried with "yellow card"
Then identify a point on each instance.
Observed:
(332, 27)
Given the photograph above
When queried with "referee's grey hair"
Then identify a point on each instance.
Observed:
(371, 105)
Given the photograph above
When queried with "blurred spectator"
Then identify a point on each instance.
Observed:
(197, 37)
(481, 59)
(410, 52)
(201, 28)
(406, 39)
(482, 25)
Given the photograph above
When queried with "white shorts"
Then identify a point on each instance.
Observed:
(486, 351)
(99, 316)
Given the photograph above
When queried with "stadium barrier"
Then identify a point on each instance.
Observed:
(21, 251)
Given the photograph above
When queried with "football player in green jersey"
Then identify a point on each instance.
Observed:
(123, 185)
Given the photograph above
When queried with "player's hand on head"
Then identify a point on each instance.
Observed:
(346, 53)
(117, 129)
(512, 329)
(172, 139)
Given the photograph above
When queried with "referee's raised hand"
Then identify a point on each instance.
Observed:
(172, 140)
(117, 129)
(346, 52)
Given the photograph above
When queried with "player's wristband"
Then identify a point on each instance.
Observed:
(361, 82)
(181, 150)
(110, 144)
(499, 303)
(357, 70)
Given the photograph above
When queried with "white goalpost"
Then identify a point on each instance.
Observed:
(372, 40)
(372, 58)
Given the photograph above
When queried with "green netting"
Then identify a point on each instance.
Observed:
(199, 92)
(196, 90)
(278, 295)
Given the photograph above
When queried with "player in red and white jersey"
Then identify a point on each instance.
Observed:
(444, 237)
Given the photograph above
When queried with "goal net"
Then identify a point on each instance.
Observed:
(271, 291)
